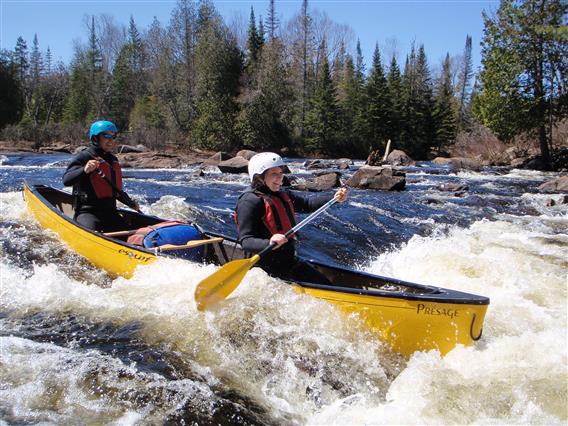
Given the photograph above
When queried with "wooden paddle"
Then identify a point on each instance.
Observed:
(190, 244)
(225, 280)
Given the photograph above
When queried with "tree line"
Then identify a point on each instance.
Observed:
(293, 88)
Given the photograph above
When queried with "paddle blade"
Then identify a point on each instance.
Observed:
(221, 283)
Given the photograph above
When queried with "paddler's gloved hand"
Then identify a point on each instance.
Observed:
(91, 166)
(135, 205)
(341, 194)
(278, 240)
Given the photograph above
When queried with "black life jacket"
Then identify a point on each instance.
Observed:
(279, 216)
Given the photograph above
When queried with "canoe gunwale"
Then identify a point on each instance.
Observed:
(450, 296)
(425, 293)
(33, 188)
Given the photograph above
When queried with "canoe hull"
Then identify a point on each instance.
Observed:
(408, 317)
(115, 258)
(408, 326)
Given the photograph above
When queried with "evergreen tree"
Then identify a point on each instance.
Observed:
(465, 75)
(129, 77)
(88, 93)
(360, 128)
(218, 67)
(36, 62)
(272, 21)
(523, 80)
(266, 105)
(339, 65)
(349, 97)
(359, 66)
(99, 80)
(254, 44)
(32, 93)
(79, 106)
(306, 48)
(11, 101)
(378, 105)
(425, 105)
(21, 60)
(180, 85)
(394, 90)
(444, 115)
(409, 127)
(322, 120)
(48, 61)
(123, 94)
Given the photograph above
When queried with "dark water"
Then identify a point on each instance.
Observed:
(80, 347)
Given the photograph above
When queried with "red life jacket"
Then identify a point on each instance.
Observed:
(100, 185)
(279, 216)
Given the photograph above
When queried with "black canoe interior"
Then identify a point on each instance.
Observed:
(342, 279)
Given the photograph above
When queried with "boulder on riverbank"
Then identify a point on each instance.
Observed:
(458, 163)
(383, 178)
(323, 182)
(559, 184)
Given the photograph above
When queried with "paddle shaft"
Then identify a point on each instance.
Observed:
(123, 195)
(301, 224)
(227, 278)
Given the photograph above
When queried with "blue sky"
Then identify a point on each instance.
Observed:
(441, 25)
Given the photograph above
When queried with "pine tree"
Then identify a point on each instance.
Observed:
(21, 59)
(218, 67)
(48, 61)
(266, 105)
(99, 80)
(409, 116)
(378, 105)
(123, 94)
(444, 115)
(254, 44)
(348, 96)
(466, 73)
(178, 66)
(322, 120)
(79, 105)
(394, 90)
(306, 47)
(11, 101)
(129, 77)
(272, 21)
(420, 125)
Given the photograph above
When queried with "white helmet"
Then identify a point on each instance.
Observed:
(260, 163)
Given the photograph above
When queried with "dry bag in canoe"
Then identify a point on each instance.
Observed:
(170, 232)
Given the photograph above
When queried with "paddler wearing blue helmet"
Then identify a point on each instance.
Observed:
(265, 212)
(96, 177)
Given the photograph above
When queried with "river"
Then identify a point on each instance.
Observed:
(78, 347)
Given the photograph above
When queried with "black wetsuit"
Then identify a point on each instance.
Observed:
(254, 236)
(95, 213)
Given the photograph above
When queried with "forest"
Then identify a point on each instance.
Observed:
(196, 82)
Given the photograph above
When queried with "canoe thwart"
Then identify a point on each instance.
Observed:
(190, 244)
(119, 233)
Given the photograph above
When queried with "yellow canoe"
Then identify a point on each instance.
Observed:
(407, 316)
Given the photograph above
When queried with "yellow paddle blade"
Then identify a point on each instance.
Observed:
(221, 283)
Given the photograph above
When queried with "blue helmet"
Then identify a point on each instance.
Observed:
(102, 126)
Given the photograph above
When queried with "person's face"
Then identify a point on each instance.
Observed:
(107, 141)
(273, 178)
